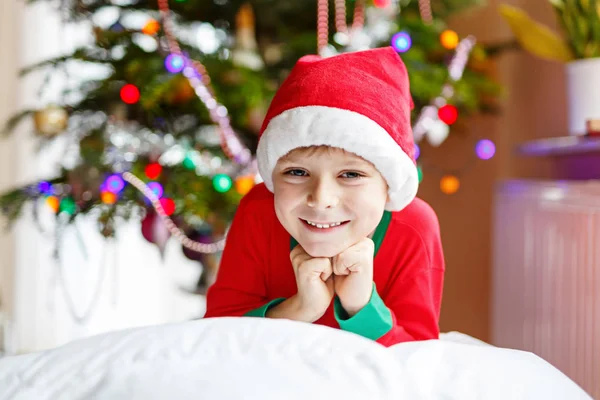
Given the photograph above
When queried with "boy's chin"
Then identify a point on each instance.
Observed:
(322, 251)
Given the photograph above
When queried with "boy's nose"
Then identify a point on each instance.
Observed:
(323, 195)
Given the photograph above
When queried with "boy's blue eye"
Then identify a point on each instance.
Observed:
(351, 175)
(296, 172)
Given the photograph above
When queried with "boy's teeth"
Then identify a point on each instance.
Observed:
(323, 226)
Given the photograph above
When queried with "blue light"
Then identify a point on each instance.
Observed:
(174, 63)
(114, 183)
(401, 42)
(156, 188)
(417, 151)
(45, 188)
(485, 149)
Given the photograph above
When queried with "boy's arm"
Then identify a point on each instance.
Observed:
(408, 308)
(240, 284)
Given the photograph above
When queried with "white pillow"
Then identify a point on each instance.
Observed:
(252, 358)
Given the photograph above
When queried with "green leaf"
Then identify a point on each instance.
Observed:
(534, 37)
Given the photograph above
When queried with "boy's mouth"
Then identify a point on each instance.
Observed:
(322, 226)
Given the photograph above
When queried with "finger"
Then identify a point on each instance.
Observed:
(355, 267)
(296, 251)
(367, 245)
(298, 256)
(339, 267)
(326, 275)
(323, 265)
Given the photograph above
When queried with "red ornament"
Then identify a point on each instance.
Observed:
(448, 114)
(155, 231)
(168, 205)
(153, 170)
(130, 94)
(381, 3)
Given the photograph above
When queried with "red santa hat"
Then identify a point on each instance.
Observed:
(359, 102)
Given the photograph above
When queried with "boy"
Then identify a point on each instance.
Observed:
(335, 235)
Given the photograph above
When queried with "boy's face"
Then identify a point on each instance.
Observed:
(324, 186)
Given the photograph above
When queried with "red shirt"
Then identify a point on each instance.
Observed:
(408, 272)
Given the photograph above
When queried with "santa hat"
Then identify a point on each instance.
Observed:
(359, 102)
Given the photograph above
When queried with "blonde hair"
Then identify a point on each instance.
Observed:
(311, 150)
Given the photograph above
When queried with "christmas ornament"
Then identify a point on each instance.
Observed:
(245, 53)
(155, 231)
(51, 120)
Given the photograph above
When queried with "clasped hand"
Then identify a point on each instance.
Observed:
(349, 275)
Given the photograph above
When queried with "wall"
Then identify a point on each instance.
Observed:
(9, 12)
(533, 107)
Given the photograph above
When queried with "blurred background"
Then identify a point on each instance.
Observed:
(130, 126)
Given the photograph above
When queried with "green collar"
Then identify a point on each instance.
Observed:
(377, 236)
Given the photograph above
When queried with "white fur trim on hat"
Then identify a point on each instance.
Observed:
(351, 131)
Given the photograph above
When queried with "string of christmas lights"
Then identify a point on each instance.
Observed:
(425, 10)
(340, 21)
(163, 212)
(435, 119)
(199, 79)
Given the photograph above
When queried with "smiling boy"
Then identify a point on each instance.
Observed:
(335, 235)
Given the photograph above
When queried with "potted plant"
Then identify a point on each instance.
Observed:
(578, 48)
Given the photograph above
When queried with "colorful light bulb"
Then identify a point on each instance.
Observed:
(401, 42)
(485, 149)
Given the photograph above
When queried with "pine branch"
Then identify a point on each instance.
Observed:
(15, 120)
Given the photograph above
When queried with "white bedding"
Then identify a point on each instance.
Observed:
(251, 358)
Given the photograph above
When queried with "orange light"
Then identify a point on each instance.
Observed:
(53, 203)
(449, 184)
(244, 184)
(108, 197)
(151, 28)
(449, 39)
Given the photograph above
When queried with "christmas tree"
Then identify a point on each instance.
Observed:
(171, 125)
